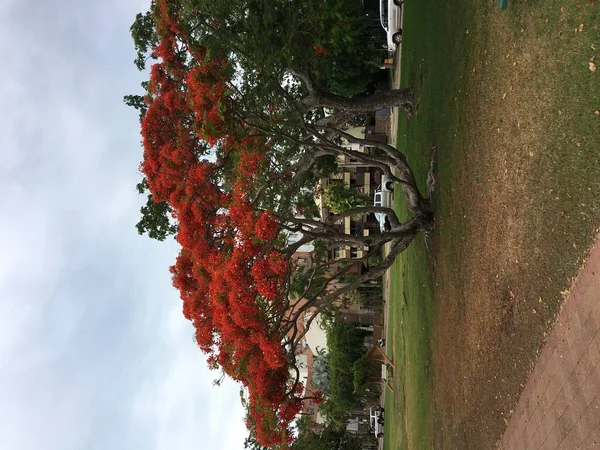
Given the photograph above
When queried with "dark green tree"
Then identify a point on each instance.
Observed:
(362, 370)
(329, 438)
(346, 345)
(332, 40)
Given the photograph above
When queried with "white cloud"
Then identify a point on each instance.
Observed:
(179, 405)
(94, 350)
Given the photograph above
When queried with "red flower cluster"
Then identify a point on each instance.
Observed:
(319, 50)
(228, 273)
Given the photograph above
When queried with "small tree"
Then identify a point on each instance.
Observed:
(339, 197)
(306, 424)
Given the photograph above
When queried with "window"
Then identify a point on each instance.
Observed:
(377, 199)
(384, 14)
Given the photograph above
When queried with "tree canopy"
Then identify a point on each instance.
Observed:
(235, 133)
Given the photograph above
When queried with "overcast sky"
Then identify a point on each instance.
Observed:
(94, 350)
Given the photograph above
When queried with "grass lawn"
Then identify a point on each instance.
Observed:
(408, 408)
(509, 101)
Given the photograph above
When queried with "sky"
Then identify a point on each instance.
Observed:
(94, 350)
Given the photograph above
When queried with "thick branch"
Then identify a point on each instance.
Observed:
(366, 210)
(402, 98)
(416, 201)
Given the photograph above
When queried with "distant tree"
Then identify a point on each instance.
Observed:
(329, 438)
(362, 370)
(306, 424)
(345, 343)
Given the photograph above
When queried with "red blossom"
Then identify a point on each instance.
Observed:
(227, 269)
(319, 50)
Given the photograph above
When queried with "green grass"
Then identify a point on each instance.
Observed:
(458, 58)
(409, 419)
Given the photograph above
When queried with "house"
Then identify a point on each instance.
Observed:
(355, 175)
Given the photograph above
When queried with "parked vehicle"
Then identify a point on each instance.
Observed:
(384, 197)
(389, 16)
(376, 420)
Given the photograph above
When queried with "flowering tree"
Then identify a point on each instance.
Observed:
(231, 166)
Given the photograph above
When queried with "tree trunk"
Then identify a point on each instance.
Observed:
(402, 98)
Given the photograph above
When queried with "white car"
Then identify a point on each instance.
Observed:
(384, 197)
(376, 420)
(389, 16)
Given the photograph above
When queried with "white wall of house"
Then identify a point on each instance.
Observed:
(357, 132)
(316, 337)
(295, 237)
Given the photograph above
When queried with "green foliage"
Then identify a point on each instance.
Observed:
(333, 40)
(143, 32)
(250, 443)
(368, 296)
(347, 277)
(340, 197)
(346, 345)
(330, 438)
(353, 298)
(362, 369)
(320, 249)
(305, 205)
(137, 102)
(325, 166)
(305, 424)
(349, 43)
(156, 217)
(301, 278)
(307, 280)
